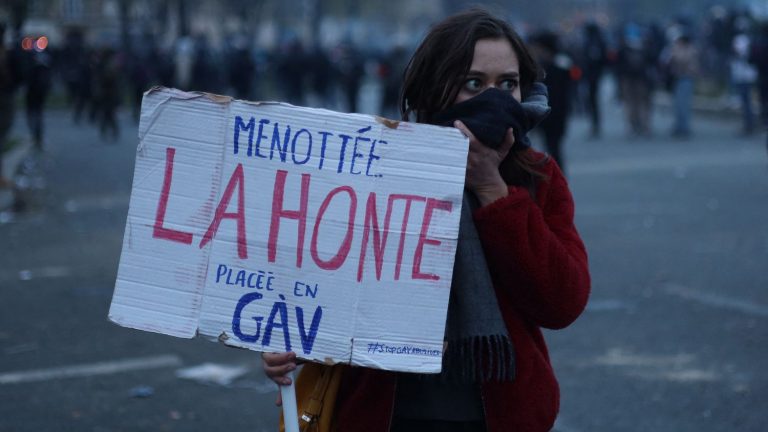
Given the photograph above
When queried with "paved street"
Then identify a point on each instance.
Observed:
(674, 338)
(674, 335)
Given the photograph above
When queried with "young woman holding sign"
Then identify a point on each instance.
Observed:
(520, 263)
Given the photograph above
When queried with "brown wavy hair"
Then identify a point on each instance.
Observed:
(438, 67)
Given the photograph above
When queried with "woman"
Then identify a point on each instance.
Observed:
(524, 220)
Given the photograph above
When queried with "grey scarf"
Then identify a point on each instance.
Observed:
(478, 345)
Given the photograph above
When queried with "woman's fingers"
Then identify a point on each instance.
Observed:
(279, 399)
(504, 148)
(465, 130)
(483, 176)
(507, 144)
(277, 359)
(277, 366)
(476, 148)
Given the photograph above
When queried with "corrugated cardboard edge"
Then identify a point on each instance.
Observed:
(392, 124)
(225, 339)
(174, 93)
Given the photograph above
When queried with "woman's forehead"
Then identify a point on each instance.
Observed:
(495, 55)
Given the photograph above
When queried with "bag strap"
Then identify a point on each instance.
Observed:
(311, 412)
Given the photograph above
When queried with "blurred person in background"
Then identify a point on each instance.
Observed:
(391, 70)
(184, 53)
(38, 85)
(140, 76)
(163, 62)
(107, 93)
(635, 69)
(717, 48)
(743, 77)
(10, 76)
(94, 103)
(557, 67)
(204, 74)
(681, 61)
(83, 90)
(76, 72)
(594, 59)
(241, 68)
(321, 77)
(759, 58)
(350, 67)
(292, 71)
(471, 66)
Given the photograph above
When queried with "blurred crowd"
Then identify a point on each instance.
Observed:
(720, 61)
(726, 53)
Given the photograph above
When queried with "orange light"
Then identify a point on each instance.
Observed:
(26, 44)
(41, 43)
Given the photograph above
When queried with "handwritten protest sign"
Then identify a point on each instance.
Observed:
(273, 228)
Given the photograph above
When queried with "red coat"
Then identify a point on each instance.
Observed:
(539, 268)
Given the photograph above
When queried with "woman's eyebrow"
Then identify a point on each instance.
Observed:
(510, 74)
(475, 73)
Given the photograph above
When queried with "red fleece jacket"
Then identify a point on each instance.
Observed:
(539, 267)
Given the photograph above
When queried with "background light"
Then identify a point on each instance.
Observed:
(26, 44)
(41, 43)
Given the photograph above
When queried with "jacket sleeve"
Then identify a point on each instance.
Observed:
(535, 254)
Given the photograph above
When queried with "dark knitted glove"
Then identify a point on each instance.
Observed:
(489, 115)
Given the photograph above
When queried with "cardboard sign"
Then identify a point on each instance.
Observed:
(275, 228)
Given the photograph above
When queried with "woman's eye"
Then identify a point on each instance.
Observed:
(473, 84)
(508, 85)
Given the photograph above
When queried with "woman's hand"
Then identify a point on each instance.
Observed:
(483, 176)
(276, 367)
